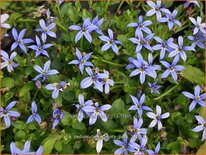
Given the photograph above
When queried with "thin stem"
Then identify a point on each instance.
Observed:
(118, 130)
(35, 94)
(167, 92)
(114, 87)
(119, 82)
(62, 27)
(120, 5)
(106, 61)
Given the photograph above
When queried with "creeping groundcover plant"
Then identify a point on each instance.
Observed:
(105, 77)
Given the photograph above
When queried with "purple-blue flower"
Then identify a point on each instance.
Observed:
(170, 19)
(157, 117)
(50, 19)
(138, 131)
(96, 22)
(82, 60)
(19, 40)
(142, 149)
(96, 111)
(3, 18)
(179, 50)
(156, 9)
(93, 78)
(107, 82)
(153, 67)
(110, 42)
(44, 72)
(197, 98)
(57, 115)
(26, 150)
(39, 48)
(154, 87)
(56, 87)
(141, 26)
(85, 30)
(163, 46)
(7, 113)
(172, 68)
(141, 67)
(81, 106)
(125, 145)
(140, 41)
(8, 61)
(197, 40)
(138, 105)
(34, 115)
(201, 126)
(157, 149)
(46, 30)
(198, 25)
(188, 2)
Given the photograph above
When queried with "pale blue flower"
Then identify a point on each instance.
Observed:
(157, 117)
(179, 50)
(85, 30)
(34, 115)
(198, 25)
(126, 146)
(8, 61)
(19, 40)
(39, 48)
(7, 113)
(96, 111)
(110, 42)
(172, 68)
(138, 105)
(197, 98)
(56, 87)
(44, 72)
(46, 30)
(82, 60)
(201, 126)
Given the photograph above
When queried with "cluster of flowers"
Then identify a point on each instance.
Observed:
(101, 81)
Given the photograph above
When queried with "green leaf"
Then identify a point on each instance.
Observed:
(19, 125)
(123, 39)
(49, 144)
(194, 75)
(67, 149)
(78, 125)
(117, 106)
(7, 82)
(67, 119)
(68, 95)
(19, 135)
(29, 86)
(8, 96)
(58, 145)
(85, 14)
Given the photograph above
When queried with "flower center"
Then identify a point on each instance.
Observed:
(83, 62)
(197, 98)
(58, 116)
(46, 30)
(39, 49)
(96, 111)
(9, 62)
(20, 41)
(137, 130)
(44, 72)
(171, 69)
(138, 106)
